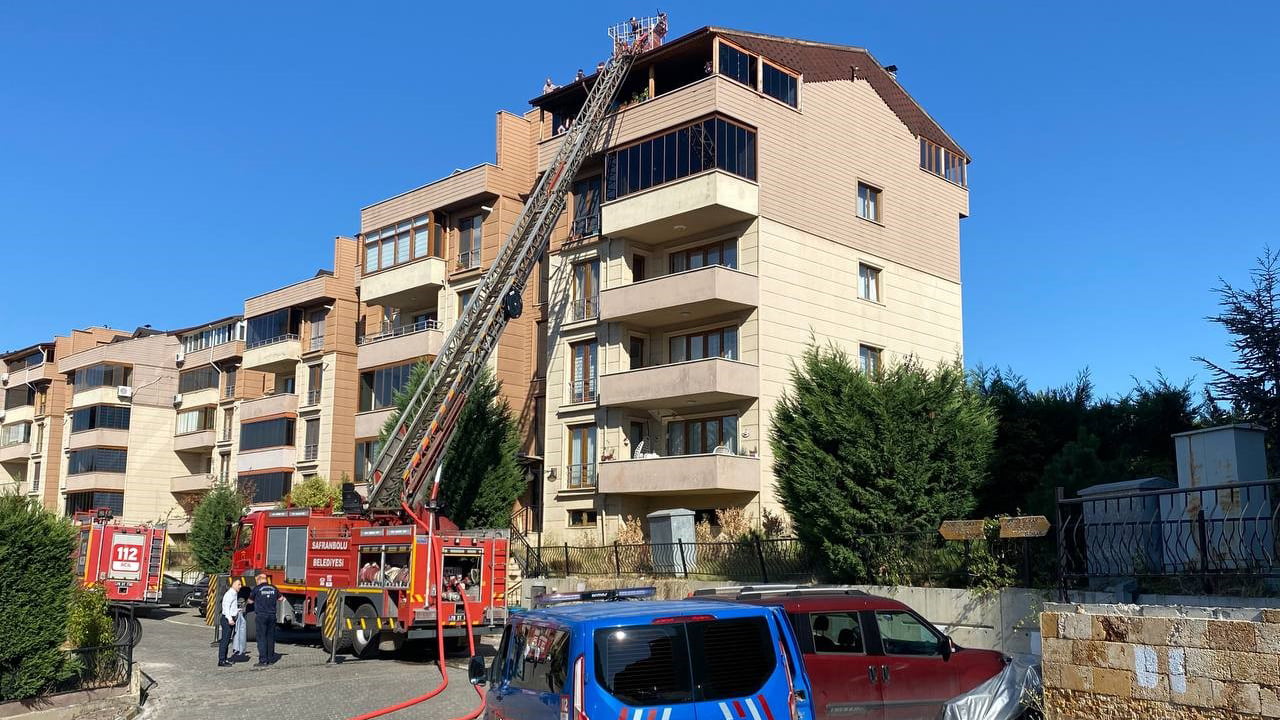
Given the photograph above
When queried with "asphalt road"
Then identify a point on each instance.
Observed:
(175, 653)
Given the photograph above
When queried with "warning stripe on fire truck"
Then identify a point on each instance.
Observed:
(377, 624)
(330, 615)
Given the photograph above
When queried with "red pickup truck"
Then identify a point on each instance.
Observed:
(873, 658)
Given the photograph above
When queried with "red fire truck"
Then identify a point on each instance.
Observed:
(382, 575)
(126, 561)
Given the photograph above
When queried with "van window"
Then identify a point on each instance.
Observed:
(649, 664)
(539, 658)
(836, 632)
(902, 633)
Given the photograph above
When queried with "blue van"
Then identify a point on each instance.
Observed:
(660, 660)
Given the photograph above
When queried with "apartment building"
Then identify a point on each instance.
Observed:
(31, 420)
(754, 193)
(298, 384)
(422, 254)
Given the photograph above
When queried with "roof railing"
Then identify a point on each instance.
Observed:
(609, 595)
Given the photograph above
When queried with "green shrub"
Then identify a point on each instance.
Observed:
(211, 528)
(35, 594)
(89, 620)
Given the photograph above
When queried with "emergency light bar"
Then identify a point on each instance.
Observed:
(610, 595)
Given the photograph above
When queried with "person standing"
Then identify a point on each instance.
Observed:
(228, 611)
(264, 599)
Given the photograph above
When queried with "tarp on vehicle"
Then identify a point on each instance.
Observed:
(1003, 697)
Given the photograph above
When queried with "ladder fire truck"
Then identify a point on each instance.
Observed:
(126, 561)
(392, 567)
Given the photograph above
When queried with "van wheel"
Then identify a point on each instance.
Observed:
(364, 641)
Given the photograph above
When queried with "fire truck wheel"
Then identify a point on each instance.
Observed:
(250, 627)
(364, 641)
(343, 638)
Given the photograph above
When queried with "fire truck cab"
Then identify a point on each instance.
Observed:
(368, 583)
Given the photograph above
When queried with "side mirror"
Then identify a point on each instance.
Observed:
(476, 672)
(946, 648)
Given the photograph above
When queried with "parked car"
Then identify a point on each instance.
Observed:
(681, 660)
(176, 592)
(873, 657)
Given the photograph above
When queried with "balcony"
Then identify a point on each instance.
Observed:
(198, 441)
(200, 398)
(369, 423)
(15, 452)
(268, 406)
(583, 390)
(415, 284)
(192, 483)
(396, 345)
(266, 459)
(679, 209)
(32, 374)
(277, 354)
(315, 343)
(682, 474)
(584, 309)
(699, 382)
(104, 481)
(100, 437)
(580, 477)
(467, 260)
(216, 354)
(683, 297)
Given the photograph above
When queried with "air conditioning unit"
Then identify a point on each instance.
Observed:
(177, 399)
(124, 391)
(181, 357)
(4, 378)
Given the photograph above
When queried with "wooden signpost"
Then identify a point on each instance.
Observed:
(962, 530)
(1011, 528)
(1027, 526)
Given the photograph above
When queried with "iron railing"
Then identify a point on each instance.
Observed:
(586, 225)
(584, 309)
(262, 342)
(313, 396)
(91, 668)
(468, 259)
(580, 476)
(390, 330)
(583, 390)
(310, 452)
(316, 342)
(748, 559)
(1218, 539)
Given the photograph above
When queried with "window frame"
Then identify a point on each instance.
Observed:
(874, 201)
(470, 228)
(941, 162)
(288, 434)
(592, 512)
(622, 176)
(876, 282)
(585, 289)
(876, 352)
(686, 254)
(586, 436)
(423, 236)
(590, 374)
(701, 423)
(705, 334)
(938, 635)
(859, 621)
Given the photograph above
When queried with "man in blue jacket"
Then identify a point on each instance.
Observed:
(264, 599)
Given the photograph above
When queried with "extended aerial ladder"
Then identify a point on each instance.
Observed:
(415, 447)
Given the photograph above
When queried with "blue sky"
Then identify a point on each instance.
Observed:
(159, 164)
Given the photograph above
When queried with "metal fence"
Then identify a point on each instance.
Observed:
(760, 560)
(1219, 539)
(93, 668)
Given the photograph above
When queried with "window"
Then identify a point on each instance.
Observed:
(228, 421)
(868, 202)
(469, 232)
(637, 268)
(869, 359)
(868, 282)
(197, 379)
(42, 401)
(704, 145)
(19, 397)
(286, 384)
(378, 388)
(316, 320)
(538, 659)
(15, 434)
(311, 441)
(721, 342)
(39, 438)
(704, 435)
(229, 387)
(638, 436)
(224, 467)
(778, 84)
(586, 207)
(287, 551)
(901, 633)
(636, 352)
(464, 299)
(212, 337)
(273, 327)
(407, 240)
(265, 487)
(315, 383)
(583, 380)
(86, 501)
(277, 432)
(366, 453)
(650, 664)
(112, 417)
(195, 420)
(586, 290)
(108, 460)
(98, 376)
(583, 518)
(723, 253)
(582, 457)
(737, 65)
(35, 476)
(943, 163)
(836, 632)
(34, 359)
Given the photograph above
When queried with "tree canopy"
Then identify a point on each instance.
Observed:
(211, 528)
(857, 454)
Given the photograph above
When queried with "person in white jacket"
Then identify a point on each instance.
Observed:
(229, 618)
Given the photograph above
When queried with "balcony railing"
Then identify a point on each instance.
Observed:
(229, 392)
(468, 259)
(317, 343)
(313, 396)
(585, 309)
(226, 433)
(391, 330)
(310, 452)
(263, 342)
(583, 390)
(579, 477)
(587, 225)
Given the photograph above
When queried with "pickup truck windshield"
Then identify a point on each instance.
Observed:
(649, 664)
